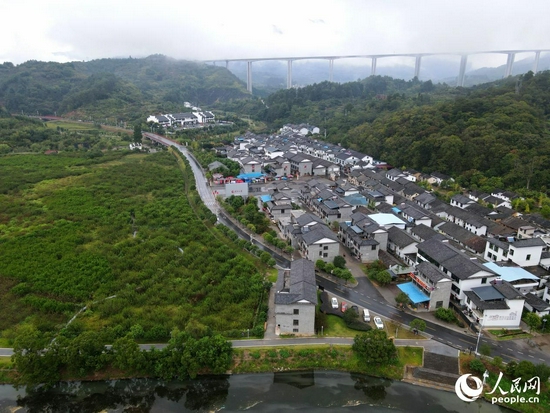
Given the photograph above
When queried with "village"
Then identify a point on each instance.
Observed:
(474, 254)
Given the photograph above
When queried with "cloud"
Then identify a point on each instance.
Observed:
(64, 30)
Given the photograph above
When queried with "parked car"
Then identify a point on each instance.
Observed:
(344, 306)
(366, 315)
(334, 303)
(355, 309)
(378, 323)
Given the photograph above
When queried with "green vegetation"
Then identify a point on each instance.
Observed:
(402, 299)
(374, 347)
(38, 360)
(378, 273)
(125, 89)
(337, 271)
(418, 324)
(505, 334)
(524, 371)
(446, 314)
(76, 230)
(322, 356)
(246, 211)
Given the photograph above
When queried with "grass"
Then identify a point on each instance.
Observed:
(272, 275)
(80, 126)
(337, 328)
(402, 331)
(504, 334)
(319, 357)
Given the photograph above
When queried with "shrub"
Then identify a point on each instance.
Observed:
(320, 264)
(339, 262)
(477, 366)
(445, 314)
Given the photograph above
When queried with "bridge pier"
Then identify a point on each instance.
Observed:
(227, 64)
(249, 76)
(509, 64)
(462, 71)
(417, 66)
(289, 74)
(536, 64)
(373, 67)
(330, 70)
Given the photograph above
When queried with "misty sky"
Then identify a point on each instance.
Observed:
(67, 30)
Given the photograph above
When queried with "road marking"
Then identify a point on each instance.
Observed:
(431, 328)
(541, 359)
(530, 355)
(461, 339)
(519, 352)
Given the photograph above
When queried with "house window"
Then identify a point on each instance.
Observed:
(438, 304)
(483, 281)
(326, 249)
(282, 211)
(320, 253)
(295, 330)
(468, 300)
(373, 248)
(296, 311)
(528, 257)
(511, 252)
(295, 322)
(325, 255)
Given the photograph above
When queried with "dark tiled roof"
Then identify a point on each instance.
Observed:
(486, 305)
(536, 302)
(431, 272)
(300, 283)
(318, 233)
(400, 237)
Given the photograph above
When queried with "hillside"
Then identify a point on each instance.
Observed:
(495, 134)
(122, 88)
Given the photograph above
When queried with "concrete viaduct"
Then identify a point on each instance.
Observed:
(511, 54)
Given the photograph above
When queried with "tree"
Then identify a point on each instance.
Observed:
(137, 133)
(374, 347)
(401, 299)
(477, 366)
(339, 262)
(485, 349)
(34, 362)
(320, 264)
(382, 277)
(418, 324)
(126, 355)
(533, 321)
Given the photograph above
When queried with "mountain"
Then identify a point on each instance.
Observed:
(124, 88)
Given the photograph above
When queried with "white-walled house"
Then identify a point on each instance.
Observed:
(466, 272)
(319, 243)
(497, 305)
(295, 299)
(523, 252)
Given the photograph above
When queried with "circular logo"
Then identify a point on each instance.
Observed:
(464, 391)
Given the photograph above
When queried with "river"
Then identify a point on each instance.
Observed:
(268, 392)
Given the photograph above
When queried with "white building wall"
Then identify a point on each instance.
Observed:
(520, 255)
(284, 319)
(504, 318)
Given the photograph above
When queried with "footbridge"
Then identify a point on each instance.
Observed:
(511, 54)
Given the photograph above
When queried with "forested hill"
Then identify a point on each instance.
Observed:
(494, 134)
(123, 88)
